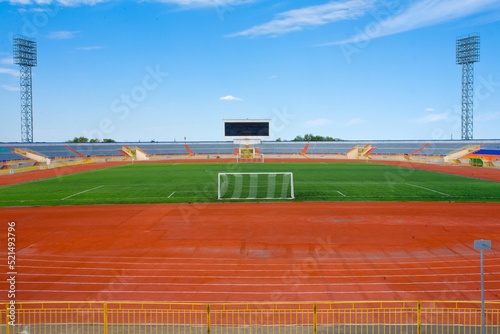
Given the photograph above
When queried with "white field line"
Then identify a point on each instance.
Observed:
(341, 194)
(434, 191)
(172, 194)
(81, 192)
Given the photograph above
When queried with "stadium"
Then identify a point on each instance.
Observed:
(373, 237)
(247, 235)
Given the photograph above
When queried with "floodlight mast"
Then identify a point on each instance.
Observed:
(25, 55)
(467, 55)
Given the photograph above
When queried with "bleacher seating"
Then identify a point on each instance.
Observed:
(281, 147)
(487, 152)
(330, 147)
(50, 150)
(6, 154)
(491, 145)
(397, 147)
(98, 149)
(213, 147)
(443, 148)
(161, 148)
(419, 148)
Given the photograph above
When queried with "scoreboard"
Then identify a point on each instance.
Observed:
(246, 128)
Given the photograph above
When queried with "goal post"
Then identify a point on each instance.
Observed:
(259, 186)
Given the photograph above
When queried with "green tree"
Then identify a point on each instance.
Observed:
(79, 140)
(311, 137)
(298, 138)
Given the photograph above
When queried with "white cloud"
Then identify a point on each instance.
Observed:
(319, 122)
(65, 3)
(220, 4)
(90, 48)
(7, 61)
(298, 19)
(429, 109)
(422, 14)
(432, 118)
(62, 34)
(9, 71)
(217, 4)
(230, 98)
(24, 10)
(10, 88)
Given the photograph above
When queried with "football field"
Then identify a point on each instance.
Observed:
(191, 183)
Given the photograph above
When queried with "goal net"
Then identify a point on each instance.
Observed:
(242, 186)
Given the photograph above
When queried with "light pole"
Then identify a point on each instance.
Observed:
(481, 245)
(25, 55)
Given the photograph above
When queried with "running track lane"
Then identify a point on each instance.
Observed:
(254, 252)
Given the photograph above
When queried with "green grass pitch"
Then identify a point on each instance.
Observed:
(191, 183)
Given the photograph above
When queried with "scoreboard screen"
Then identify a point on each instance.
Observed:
(246, 129)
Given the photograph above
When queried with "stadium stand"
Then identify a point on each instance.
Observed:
(6, 154)
(491, 146)
(24, 156)
(49, 151)
(163, 148)
(443, 148)
(281, 147)
(487, 152)
(213, 147)
(404, 147)
(333, 147)
(98, 149)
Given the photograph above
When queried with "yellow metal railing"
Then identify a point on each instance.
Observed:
(390, 317)
(54, 165)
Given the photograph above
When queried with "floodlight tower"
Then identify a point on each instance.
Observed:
(25, 55)
(467, 55)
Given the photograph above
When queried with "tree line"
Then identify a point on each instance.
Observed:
(306, 137)
(92, 140)
(311, 137)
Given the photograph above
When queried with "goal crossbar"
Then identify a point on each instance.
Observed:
(257, 185)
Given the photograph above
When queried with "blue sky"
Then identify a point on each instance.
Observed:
(169, 70)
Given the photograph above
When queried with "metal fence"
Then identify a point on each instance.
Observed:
(390, 317)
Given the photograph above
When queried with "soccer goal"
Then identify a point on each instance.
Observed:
(261, 186)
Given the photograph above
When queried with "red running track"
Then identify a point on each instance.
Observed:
(253, 252)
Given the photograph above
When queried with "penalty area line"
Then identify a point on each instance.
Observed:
(434, 191)
(81, 192)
